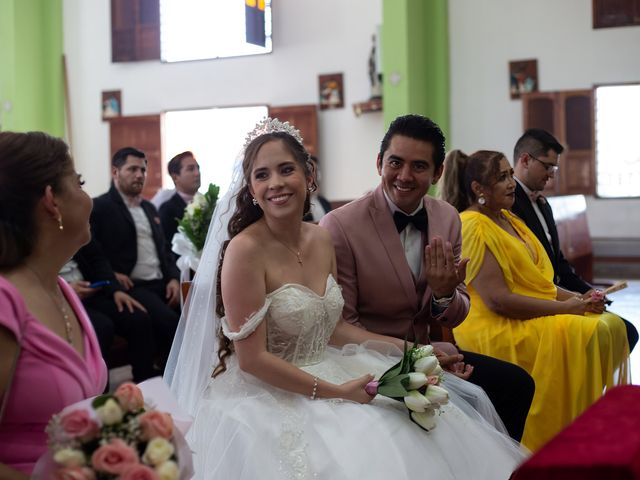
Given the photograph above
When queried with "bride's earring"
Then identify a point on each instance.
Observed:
(254, 201)
(60, 225)
(482, 200)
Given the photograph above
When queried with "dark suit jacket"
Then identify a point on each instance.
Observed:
(377, 284)
(114, 235)
(170, 212)
(564, 274)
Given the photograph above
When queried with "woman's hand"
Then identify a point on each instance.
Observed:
(354, 389)
(576, 305)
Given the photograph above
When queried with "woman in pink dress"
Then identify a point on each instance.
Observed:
(49, 355)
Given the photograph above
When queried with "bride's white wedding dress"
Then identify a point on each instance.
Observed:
(247, 429)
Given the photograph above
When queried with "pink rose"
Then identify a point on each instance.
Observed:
(115, 457)
(75, 473)
(78, 424)
(156, 424)
(140, 472)
(129, 396)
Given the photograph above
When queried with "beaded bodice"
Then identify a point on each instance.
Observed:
(299, 321)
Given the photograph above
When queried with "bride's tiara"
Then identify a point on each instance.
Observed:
(272, 125)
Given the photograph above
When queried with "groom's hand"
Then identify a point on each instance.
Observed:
(443, 273)
(454, 364)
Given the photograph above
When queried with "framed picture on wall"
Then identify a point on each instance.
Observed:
(111, 104)
(523, 77)
(331, 91)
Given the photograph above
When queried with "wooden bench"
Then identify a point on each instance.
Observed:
(570, 212)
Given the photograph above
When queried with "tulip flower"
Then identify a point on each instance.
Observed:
(423, 351)
(417, 380)
(416, 402)
(426, 365)
(425, 419)
(437, 395)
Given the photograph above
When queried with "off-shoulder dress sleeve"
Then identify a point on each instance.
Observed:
(249, 326)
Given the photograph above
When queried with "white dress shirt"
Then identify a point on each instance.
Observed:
(536, 209)
(411, 239)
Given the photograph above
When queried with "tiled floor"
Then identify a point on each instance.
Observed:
(626, 303)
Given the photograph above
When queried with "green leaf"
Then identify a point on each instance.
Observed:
(395, 387)
(100, 401)
(392, 372)
(196, 226)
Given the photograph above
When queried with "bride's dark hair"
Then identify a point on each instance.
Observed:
(247, 213)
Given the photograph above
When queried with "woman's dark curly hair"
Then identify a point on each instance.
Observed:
(247, 213)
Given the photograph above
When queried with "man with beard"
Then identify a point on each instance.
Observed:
(127, 234)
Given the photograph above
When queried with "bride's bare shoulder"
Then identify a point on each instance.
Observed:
(249, 243)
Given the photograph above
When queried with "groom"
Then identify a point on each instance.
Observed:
(398, 255)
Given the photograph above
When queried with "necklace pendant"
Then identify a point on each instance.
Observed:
(299, 259)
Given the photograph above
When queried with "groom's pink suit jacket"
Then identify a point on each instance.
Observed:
(379, 289)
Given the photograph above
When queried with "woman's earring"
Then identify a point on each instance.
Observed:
(60, 226)
(254, 201)
(482, 200)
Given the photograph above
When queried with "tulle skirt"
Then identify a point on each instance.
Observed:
(246, 429)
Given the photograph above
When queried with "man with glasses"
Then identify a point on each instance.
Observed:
(536, 157)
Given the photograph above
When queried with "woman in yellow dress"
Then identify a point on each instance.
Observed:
(567, 343)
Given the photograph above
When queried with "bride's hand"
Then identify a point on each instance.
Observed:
(354, 389)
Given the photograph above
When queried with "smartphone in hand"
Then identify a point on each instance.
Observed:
(99, 283)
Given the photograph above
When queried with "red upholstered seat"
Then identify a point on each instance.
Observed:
(601, 444)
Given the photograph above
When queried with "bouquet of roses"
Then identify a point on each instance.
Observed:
(116, 437)
(415, 381)
(188, 242)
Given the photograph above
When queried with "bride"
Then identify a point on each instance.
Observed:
(280, 402)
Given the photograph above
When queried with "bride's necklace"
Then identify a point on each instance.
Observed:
(59, 302)
(297, 253)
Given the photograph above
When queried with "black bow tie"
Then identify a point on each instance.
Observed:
(419, 220)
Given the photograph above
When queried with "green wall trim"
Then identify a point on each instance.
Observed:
(31, 80)
(415, 59)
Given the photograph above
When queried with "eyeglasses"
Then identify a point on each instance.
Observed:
(551, 168)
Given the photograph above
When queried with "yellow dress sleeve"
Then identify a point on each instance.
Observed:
(479, 233)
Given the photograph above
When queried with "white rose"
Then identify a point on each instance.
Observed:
(437, 371)
(436, 394)
(200, 200)
(425, 419)
(417, 380)
(191, 208)
(416, 402)
(110, 413)
(426, 365)
(158, 451)
(69, 457)
(168, 470)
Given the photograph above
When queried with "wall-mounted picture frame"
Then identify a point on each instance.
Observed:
(523, 77)
(331, 91)
(111, 104)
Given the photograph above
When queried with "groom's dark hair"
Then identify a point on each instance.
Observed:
(417, 127)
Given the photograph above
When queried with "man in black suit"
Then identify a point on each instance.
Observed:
(127, 233)
(185, 173)
(536, 157)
